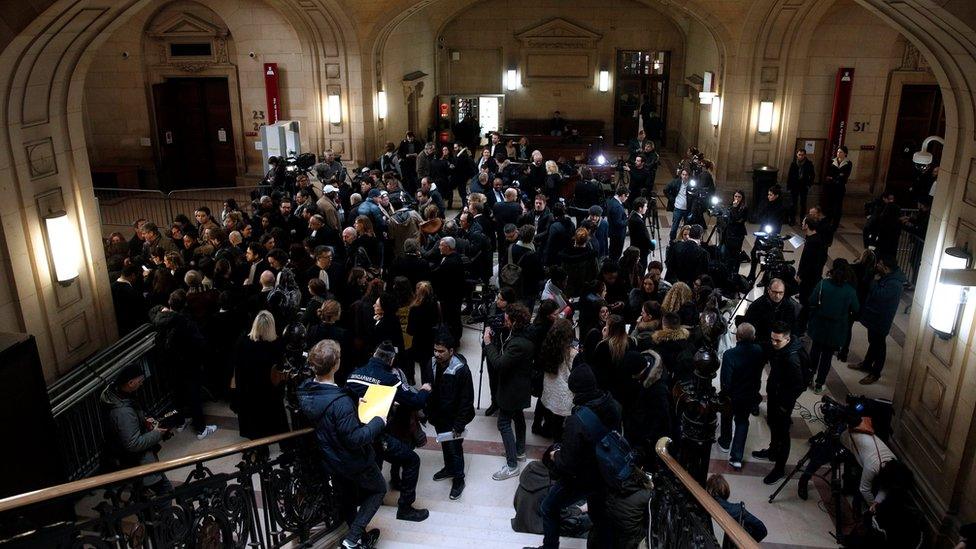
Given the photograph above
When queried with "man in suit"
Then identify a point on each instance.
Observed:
(506, 213)
(687, 260)
(448, 280)
(484, 223)
(496, 194)
(130, 307)
(326, 270)
(256, 263)
(408, 150)
(640, 236)
(497, 147)
(617, 218)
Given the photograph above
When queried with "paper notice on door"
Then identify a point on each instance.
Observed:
(810, 147)
(376, 402)
(222, 135)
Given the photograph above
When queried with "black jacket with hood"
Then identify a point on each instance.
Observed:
(346, 443)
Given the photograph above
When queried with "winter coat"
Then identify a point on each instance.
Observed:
(671, 345)
(556, 396)
(640, 235)
(346, 443)
(178, 339)
(511, 359)
(259, 404)
(764, 312)
(800, 177)
(451, 403)
(128, 437)
(651, 416)
(609, 373)
(881, 305)
(628, 517)
(786, 381)
(560, 237)
(741, 374)
(581, 266)
(575, 462)
(376, 372)
(617, 218)
(831, 305)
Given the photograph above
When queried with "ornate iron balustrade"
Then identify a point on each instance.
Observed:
(681, 512)
(269, 501)
(74, 399)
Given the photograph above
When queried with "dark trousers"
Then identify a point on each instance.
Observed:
(779, 419)
(850, 332)
(832, 202)
(874, 359)
(451, 313)
(798, 203)
(399, 455)
(616, 245)
(820, 356)
(186, 394)
(560, 496)
(739, 416)
(511, 424)
(360, 496)
(453, 451)
(492, 381)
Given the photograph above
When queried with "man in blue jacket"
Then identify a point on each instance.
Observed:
(379, 371)
(741, 376)
(347, 444)
(878, 314)
(617, 218)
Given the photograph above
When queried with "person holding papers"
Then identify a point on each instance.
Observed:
(450, 408)
(380, 371)
(346, 443)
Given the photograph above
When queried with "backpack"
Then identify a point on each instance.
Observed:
(614, 457)
(511, 274)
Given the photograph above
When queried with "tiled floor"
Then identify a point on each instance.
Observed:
(481, 516)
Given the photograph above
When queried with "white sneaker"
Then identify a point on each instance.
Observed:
(207, 431)
(737, 465)
(505, 473)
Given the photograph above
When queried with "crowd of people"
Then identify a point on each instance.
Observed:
(373, 273)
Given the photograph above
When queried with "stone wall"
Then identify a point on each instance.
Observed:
(410, 48)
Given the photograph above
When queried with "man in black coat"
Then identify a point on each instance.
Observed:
(641, 183)
(770, 212)
(801, 177)
(786, 382)
(540, 217)
(588, 192)
(448, 280)
(640, 235)
(741, 377)
(687, 260)
(574, 461)
(505, 213)
(130, 306)
(560, 234)
(450, 408)
(810, 269)
(617, 218)
(773, 306)
(346, 443)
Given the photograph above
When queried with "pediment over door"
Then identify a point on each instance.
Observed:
(558, 50)
(186, 25)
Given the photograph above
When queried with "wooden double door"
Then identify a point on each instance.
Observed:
(194, 133)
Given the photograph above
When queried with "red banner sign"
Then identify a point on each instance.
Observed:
(843, 88)
(271, 90)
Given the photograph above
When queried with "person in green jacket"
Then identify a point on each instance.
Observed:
(832, 302)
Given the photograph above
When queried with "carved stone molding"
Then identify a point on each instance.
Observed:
(558, 50)
(913, 60)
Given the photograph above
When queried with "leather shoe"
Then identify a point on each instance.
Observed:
(774, 476)
(443, 474)
(413, 515)
(457, 486)
(761, 454)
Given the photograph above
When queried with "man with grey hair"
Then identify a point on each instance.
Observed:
(346, 443)
(448, 280)
(741, 376)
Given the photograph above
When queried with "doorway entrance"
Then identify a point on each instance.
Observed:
(194, 133)
(921, 114)
(641, 95)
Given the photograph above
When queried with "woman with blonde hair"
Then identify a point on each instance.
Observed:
(257, 400)
(422, 319)
(554, 180)
(680, 301)
(608, 357)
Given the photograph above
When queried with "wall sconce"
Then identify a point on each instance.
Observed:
(949, 293)
(765, 117)
(511, 79)
(335, 109)
(706, 97)
(63, 245)
(381, 104)
(716, 113)
(604, 81)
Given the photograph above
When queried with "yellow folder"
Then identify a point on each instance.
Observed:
(376, 402)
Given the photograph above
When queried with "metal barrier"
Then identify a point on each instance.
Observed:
(909, 255)
(118, 209)
(75, 398)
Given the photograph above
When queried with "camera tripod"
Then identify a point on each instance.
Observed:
(654, 224)
(838, 455)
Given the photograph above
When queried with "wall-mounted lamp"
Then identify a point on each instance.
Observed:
(923, 158)
(381, 104)
(949, 293)
(64, 246)
(335, 109)
(706, 97)
(765, 117)
(604, 81)
(716, 113)
(511, 79)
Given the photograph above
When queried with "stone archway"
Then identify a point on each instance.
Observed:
(44, 163)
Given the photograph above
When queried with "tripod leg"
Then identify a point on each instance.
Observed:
(799, 465)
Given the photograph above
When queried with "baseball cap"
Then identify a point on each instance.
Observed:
(330, 189)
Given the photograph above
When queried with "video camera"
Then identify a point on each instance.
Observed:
(839, 416)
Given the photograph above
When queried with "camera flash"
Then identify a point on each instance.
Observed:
(601, 160)
(768, 229)
(715, 201)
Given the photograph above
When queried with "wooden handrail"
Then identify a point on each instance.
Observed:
(90, 483)
(732, 528)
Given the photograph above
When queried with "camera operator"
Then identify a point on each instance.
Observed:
(346, 443)
(786, 382)
(734, 234)
(329, 169)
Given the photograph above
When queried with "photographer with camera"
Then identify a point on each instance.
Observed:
(785, 384)
(679, 201)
